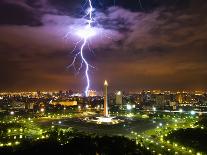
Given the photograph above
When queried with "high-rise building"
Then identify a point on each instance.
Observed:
(29, 105)
(160, 99)
(179, 98)
(106, 98)
(119, 97)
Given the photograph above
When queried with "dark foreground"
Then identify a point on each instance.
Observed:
(70, 142)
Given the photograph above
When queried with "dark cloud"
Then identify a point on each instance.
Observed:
(152, 45)
(18, 14)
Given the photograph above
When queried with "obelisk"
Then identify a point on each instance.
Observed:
(105, 99)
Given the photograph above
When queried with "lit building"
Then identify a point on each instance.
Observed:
(180, 98)
(119, 96)
(29, 106)
(18, 105)
(160, 100)
(173, 105)
(92, 93)
(65, 103)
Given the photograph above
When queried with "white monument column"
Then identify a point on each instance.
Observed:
(106, 99)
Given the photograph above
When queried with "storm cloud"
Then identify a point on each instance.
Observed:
(147, 45)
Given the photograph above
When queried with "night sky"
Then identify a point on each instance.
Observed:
(155, 44)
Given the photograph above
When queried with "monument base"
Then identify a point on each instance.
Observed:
(105, 120)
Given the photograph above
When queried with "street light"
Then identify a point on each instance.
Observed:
(129, 107)
(192, 112)
(64, 110)
(12, 113)
(180, 110)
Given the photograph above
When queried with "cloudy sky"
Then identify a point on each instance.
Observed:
(151, 44)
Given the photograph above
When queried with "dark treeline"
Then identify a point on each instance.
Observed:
(191, 137)
(202, 121)
(73, 143)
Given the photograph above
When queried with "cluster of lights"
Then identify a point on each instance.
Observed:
(130, 107)
(177, 120)
(164, 129)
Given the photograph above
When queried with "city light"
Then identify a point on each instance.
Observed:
(180, 110)
(192, 112)
(119, 93)
(129, 107)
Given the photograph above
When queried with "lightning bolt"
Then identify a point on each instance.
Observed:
(87, 67)
(84, 33)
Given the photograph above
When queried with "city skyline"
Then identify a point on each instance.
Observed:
(152, 45)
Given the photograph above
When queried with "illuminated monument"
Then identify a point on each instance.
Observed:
(105, 119)
(106, 99)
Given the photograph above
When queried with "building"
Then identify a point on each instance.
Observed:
(179, 98)
(92, 93)
(65, 103)
(119, 98)
(173, 105)
(160, 100)
(29, 106)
